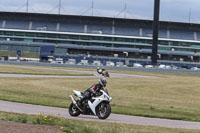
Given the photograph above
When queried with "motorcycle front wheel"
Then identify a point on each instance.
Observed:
(73, 110)
(103, 110)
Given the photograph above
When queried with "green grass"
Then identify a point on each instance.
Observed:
(170, 96)
(8, 69)
(77, 126)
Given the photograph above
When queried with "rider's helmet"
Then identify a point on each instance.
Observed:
(103, 82)
(99, 70)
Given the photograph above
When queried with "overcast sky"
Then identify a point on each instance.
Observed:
(170, 10)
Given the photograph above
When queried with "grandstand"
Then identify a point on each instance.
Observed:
(93, 38)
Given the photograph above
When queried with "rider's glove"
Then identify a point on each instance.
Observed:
(93, 94)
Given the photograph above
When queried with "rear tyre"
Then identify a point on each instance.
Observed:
(73, 110)
(103, 110)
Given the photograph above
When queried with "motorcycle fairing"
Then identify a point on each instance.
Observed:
(77, 93)
(98, 100)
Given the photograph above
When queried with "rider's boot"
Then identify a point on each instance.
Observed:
(79, 103)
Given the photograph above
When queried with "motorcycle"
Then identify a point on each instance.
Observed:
(98, 105)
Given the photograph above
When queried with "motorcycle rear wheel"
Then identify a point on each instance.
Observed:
(73, 110)
(103, 110)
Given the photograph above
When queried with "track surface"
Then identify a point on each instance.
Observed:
(112, 75)
(113, 118)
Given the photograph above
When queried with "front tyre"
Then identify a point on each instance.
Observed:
(103, 110)
(73, 110)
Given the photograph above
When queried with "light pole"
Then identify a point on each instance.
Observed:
(154, 56)
(59, 7)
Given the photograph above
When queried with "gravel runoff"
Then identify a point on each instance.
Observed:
(113, 118)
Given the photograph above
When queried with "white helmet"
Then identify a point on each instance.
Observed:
(103, 82)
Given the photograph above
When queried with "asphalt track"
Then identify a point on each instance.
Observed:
(113, 118)
(112, 75)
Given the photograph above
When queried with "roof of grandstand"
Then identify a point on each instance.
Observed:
(95, 19)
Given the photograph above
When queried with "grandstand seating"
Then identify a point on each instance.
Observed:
(198, 36)
(130, 41)
(17, 24)
(129, 31)
(1, 23)
(182, 34)
(44, 26)
(163, 33)
(70, 27)
(147, 32)
(99, 29)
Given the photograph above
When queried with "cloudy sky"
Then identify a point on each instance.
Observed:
(170, 10)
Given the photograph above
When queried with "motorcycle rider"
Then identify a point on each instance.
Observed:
(92, 90)
(103, 72)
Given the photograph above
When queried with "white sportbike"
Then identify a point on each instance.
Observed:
(98, 105)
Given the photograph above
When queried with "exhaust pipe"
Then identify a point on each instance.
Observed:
(72, 99)
(74, 102)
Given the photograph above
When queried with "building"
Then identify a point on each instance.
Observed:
(47, 36)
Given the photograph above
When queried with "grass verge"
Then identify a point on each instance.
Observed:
(10, 69)
(77, 126)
